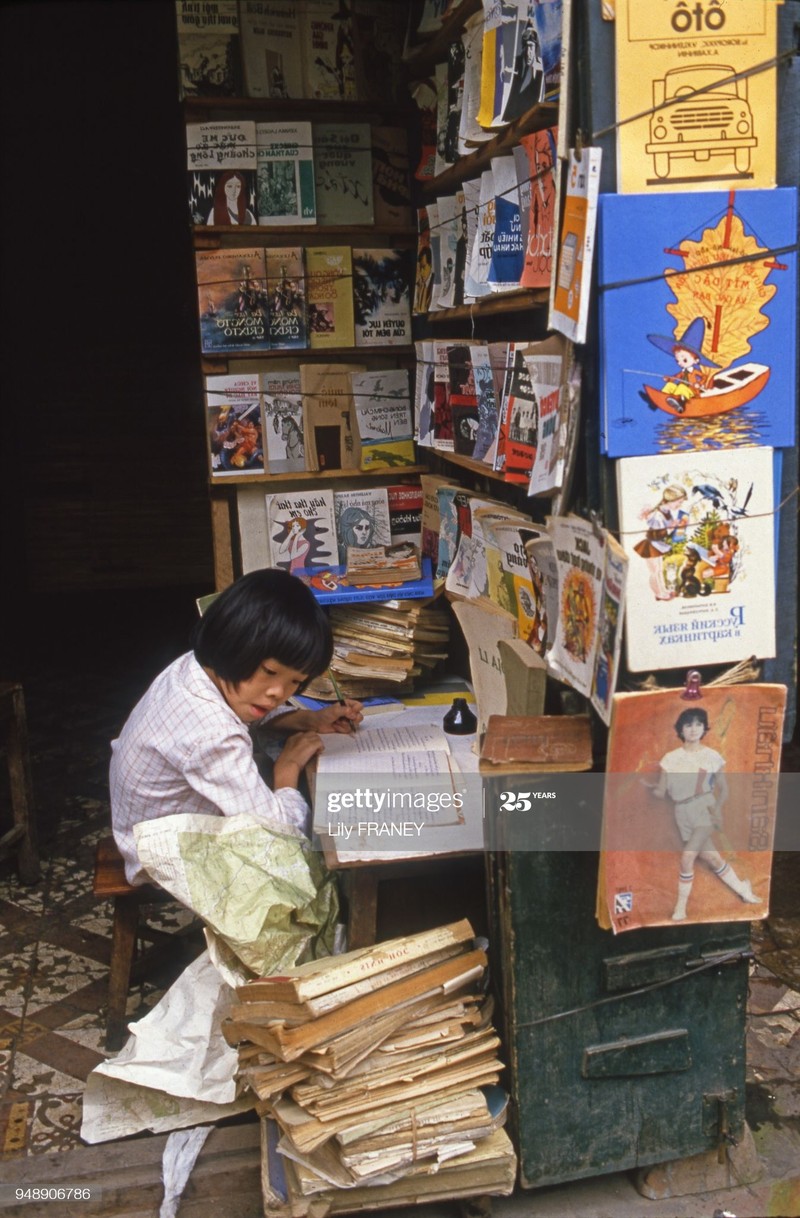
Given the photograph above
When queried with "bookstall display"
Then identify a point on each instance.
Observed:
(417, 371)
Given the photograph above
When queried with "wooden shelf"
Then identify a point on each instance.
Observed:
(325, 475)
(302, 108)
(476, 467)
(492, 306)
(472, 166)
(434, 51)
(213, 363)
(362, 236)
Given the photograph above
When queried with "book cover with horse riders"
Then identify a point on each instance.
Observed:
(286, 290)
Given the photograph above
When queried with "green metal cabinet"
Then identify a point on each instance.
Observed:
(640, 1079)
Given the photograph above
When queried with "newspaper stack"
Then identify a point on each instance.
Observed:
(377, 1074)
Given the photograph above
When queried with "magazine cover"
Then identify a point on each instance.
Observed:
(508, 252)
(285, 174)
(208, 48)
(283, 422)
(383, 415)
(362, 519)
(331, 434)
(405, 514)
(689, 806)
(221, 172)
(329, 287)
(232, 300)
(235, 439)
(286, 288)
(539, 150)
(271, 53)
(693, 114)
(570, 286)
(343, 173)
(382, 297)
(698, 320)
(699, 531)
(301, 530)
(329, 60)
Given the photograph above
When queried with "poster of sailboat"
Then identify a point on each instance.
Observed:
(697, 317)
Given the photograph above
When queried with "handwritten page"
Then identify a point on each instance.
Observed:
(384, 739)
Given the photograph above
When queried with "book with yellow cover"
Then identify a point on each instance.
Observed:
(329, 287)
(689, 115)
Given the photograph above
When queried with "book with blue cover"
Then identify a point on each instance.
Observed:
(330, 586)
(698, 294)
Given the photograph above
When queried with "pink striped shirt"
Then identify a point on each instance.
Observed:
(184, 750)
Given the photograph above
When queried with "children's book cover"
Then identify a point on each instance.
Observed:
(232, 300)
(209, 49)
(329, 287)
(221, 172)
(331, 435)
(343, 173)
(362, 519)
(271, 55)
(285, 174)
(692, 113)
(235, 437)
(689, 806)
(301, 529)
(383, 415)
(698, 320)
(699, 531)
(286, 287)
(283, 422)
(382, 297)
(579, 551)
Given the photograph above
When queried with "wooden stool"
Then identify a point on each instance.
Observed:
(22, 836)
(110, 882)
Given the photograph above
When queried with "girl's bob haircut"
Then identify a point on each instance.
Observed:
(695, 714)
(266, 615)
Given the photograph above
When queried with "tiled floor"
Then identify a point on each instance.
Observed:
(55, 939)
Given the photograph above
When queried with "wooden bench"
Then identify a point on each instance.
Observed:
(21, 837)
(110, 884)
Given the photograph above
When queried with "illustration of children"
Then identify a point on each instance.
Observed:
(692, 776)
(693, 376)
(666, 526)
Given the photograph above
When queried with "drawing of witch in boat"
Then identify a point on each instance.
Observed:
(719, 307)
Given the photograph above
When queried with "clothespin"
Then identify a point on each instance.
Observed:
(691, 691)
(597, 525)
(578, 145)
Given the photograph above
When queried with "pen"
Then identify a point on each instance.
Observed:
(339, 696)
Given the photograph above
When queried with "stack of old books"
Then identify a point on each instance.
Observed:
(380, 647)
(377, 1077)
(383, 564)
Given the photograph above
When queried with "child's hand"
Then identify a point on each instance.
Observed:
(338, 717)
(294, 756)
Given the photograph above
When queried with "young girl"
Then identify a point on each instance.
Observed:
(186, 745)
(692, 777)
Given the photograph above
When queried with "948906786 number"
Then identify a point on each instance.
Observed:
(53, 1194)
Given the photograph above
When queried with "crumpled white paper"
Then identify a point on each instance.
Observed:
(180, 1156)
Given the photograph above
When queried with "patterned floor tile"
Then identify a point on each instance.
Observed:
(55, 1123)
(16, 979)
(59, 973)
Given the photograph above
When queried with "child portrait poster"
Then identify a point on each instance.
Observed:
(689, 806)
